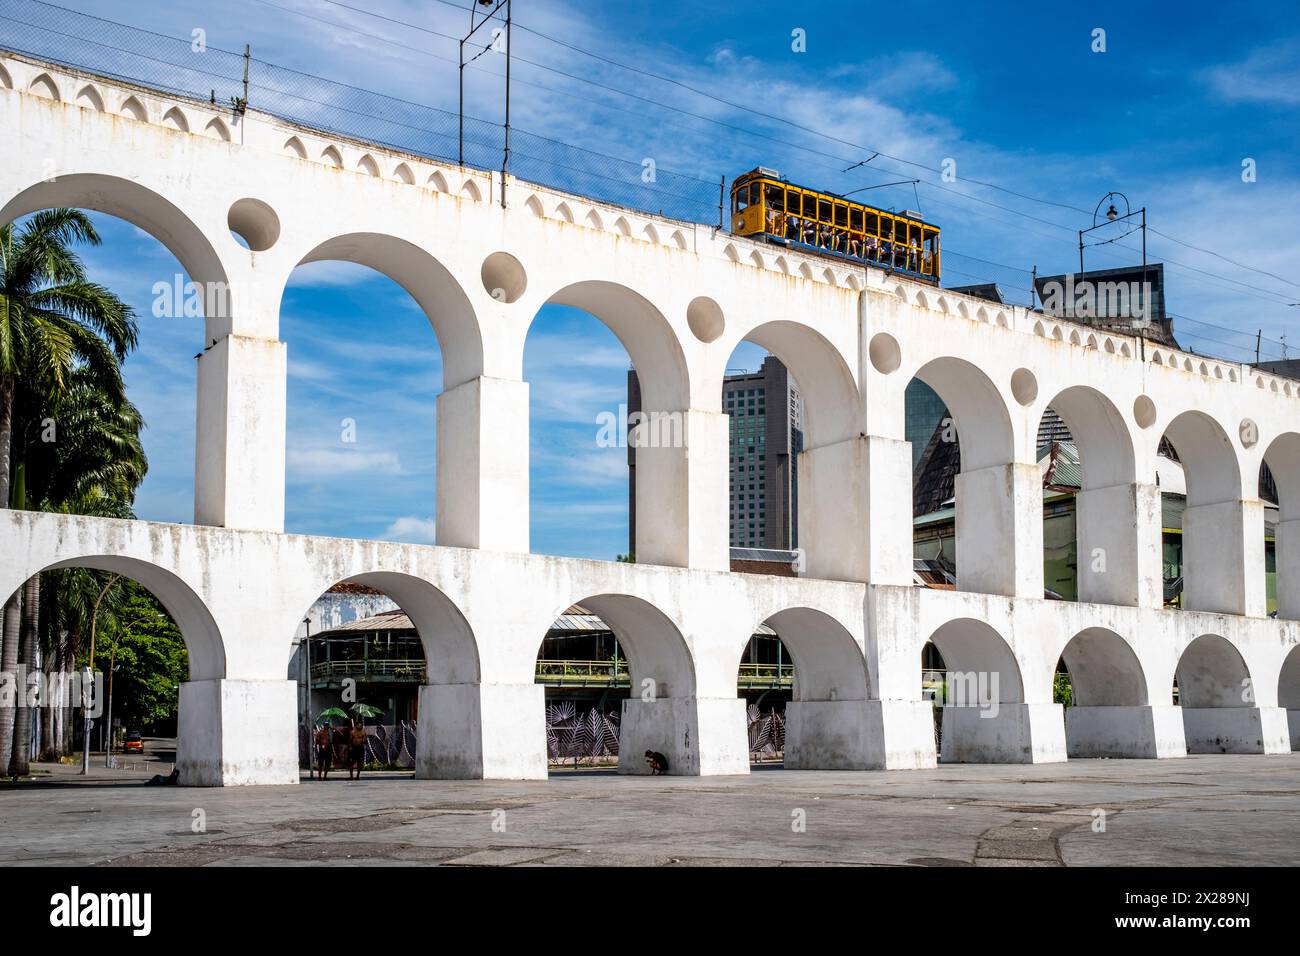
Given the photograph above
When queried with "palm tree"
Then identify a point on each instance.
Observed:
(56, 327)
(53, 320)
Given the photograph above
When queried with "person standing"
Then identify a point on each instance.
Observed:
(356, 751)
(324, 752)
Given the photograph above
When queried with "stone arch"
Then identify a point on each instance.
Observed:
(1057, 334)
(6, 81)
(217, 129)
(332, 157)
(470, 190)
(830, 392)
(140, 206)
(594, 221)
(756, 259)
(621, 227)
(1288, 691)
(922, 300)
(366, 164)
(1104, 670)
(563, 212)
(1208, 456)
(293, 147)
(971, 646)
(679, 239)
(175, 118)
(853, 282)
(534, 205)
(963, 309)
(1074, 337)
(429, 283)
(828, 276)
(831, 685)
(1283, 459)
(402, 173)
(1212, 673)
(203, 639)
(450, 646)
(133, 108)
(805, 270)
(1106, 452)
(829, 663)
(438, 181)
(89, 98)
(977, 409)
(1091, 342)
(657, 651)
(731, 252)
(1001, 320)
(782, 265)
(650, 233)
(43, 85)
(645, 333)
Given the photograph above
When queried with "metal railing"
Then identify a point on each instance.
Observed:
(550, 672)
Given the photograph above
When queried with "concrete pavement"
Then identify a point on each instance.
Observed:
(1200, 810)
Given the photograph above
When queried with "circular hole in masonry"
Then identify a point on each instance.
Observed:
(255, 223)
(504, 277)
(885, 353)
(704, 316)
(1144, 411)
(1024, 386)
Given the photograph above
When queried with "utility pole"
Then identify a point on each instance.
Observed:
(474, 25)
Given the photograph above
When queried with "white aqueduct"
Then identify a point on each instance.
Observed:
(680, 297)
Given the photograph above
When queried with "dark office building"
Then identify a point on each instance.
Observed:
(766, 438)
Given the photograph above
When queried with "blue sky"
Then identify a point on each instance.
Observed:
(1013, 94)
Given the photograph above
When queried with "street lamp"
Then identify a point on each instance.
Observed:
(1112, 215)
(306, 696)
(88, 675)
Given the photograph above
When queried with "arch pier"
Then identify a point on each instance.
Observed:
(242, 200)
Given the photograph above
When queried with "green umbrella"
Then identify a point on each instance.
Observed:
(366, 710)
(330, 713)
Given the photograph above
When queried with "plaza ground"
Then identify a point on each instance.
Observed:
(1200, 810)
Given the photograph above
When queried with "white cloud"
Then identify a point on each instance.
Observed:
(412, 530)
(1269, 74)
(320, 463)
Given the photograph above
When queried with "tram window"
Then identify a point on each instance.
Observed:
(775, 198)
(855, 220)
(841, 215)
(741, 199)
(886, 228)
(823, 211)
(873, 224)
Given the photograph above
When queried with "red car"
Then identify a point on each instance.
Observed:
(134, 743)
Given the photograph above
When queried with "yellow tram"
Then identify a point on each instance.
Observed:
(764, 205)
